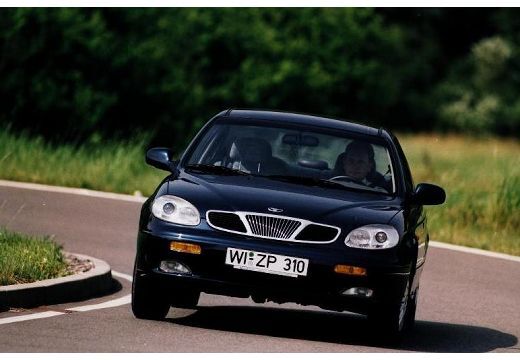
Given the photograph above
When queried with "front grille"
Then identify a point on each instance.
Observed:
(226, 220)
(317, 233)
(272, 226)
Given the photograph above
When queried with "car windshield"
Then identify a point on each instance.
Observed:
(327, 159)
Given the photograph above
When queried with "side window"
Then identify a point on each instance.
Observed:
(381, 160)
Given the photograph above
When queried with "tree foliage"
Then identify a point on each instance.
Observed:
(79, 75)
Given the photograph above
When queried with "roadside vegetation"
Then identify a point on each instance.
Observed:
(83, 72)
(25, 259)
(481, 176)
(482, 179)
(108, 166)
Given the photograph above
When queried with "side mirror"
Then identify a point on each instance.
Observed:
(161, 158)
(428, 194)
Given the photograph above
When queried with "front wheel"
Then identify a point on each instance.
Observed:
(147, 301)
(392, 321)
(184, 298)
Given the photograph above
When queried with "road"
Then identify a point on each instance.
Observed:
(468, 302)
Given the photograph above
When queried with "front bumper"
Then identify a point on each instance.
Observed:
(321, 287)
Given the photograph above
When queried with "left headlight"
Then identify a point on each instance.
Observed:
(373, 237)
(175, 210)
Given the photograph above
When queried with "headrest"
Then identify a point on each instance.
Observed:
(250, 148)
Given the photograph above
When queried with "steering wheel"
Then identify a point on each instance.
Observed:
(344, 178)
(348, 179)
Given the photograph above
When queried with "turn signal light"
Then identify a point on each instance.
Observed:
(185, 247)
(350, 270)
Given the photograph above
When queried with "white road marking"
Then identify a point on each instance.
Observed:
(42, 315)
(46, 314)
(107, 304)
(74, 191)
(124, 276)
(474, 251)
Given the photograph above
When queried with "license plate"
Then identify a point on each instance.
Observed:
(267, 263)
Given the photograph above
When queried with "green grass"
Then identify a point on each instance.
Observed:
(480, 175)
(115, 167)
(25, 259)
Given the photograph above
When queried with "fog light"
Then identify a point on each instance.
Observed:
(350, 270)
(185, 247)
(359, 291)
(174, 267)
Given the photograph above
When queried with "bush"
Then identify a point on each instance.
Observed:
(485, 101)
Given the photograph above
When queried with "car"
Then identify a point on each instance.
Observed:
(285, 207)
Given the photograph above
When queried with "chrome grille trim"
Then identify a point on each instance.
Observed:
(273, 227)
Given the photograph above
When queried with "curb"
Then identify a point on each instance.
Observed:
(96, 281)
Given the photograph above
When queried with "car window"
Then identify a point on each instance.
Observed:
(268, 151)
(408, 179)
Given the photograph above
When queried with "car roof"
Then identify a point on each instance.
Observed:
(303, 119)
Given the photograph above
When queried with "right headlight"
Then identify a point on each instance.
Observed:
(175, 210)
(373, 237)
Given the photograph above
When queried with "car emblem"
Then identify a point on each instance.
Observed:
(275, 210)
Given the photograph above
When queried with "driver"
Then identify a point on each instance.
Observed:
(358, 160)
(358, 164)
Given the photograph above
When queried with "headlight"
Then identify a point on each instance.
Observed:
(373, 237)
(175, 210)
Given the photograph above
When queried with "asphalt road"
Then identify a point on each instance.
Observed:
(468, 303)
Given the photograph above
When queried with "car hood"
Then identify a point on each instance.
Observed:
(253, 194)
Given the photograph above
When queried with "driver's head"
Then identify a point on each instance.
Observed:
(358, 160)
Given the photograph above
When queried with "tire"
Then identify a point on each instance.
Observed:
(184, 298)
(393, 320)
(410, 316)
(147, 302)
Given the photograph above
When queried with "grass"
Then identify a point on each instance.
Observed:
(480, 175)
(482, 179)
(114, 167)
(25, 259)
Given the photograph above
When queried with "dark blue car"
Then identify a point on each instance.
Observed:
(285, 207)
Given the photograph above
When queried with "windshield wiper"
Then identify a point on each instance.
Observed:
(215, 169)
